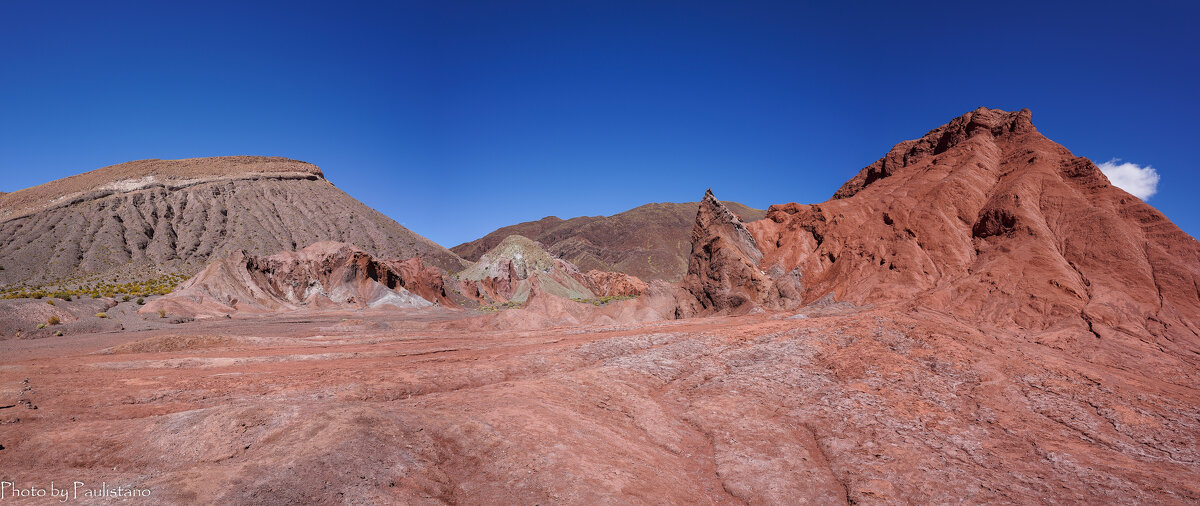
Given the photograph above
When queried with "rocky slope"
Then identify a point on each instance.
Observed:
(986, 219)
(339, 276)
(650, 242)
(510, 270)
(321, 276)
(139, 218)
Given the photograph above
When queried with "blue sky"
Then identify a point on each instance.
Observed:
(458, 118)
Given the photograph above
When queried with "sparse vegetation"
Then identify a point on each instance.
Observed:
(600, 301)
(41, 326)
(162, 313)
(59, 333)
(492, 308)
(53, 320)
(125, 299)
(141, 301)
(101, 315)
(66, 289)
(51, 302)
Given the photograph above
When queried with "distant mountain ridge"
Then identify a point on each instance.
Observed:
(650, 241)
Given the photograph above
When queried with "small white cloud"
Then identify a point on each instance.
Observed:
(1140, 181)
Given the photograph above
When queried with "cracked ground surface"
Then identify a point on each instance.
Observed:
(853, 405)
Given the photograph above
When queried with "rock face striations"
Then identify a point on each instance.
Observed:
(152, 216)
(723, 271)
(514, 267)
(323, 275)
(983, 218)
(649, 242)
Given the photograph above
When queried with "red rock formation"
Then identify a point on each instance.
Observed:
(723, 272)
(326, 274)
(983, 218)
(424, 280)
(607, 284)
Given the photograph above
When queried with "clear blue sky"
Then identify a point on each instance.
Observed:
(458, 118)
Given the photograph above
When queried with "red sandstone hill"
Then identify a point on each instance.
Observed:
(650, 241)
(983, 218)
(140, 218)
(321, 276)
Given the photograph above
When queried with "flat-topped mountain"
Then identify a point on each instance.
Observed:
(649, 241)
(143, 174)
(147, 217)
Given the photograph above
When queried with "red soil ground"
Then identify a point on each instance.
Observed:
(826, 405)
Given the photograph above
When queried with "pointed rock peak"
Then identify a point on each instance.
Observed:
(714, 218)
(992, 123)
(723, 269)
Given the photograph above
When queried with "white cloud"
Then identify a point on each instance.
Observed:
(1140, 181)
